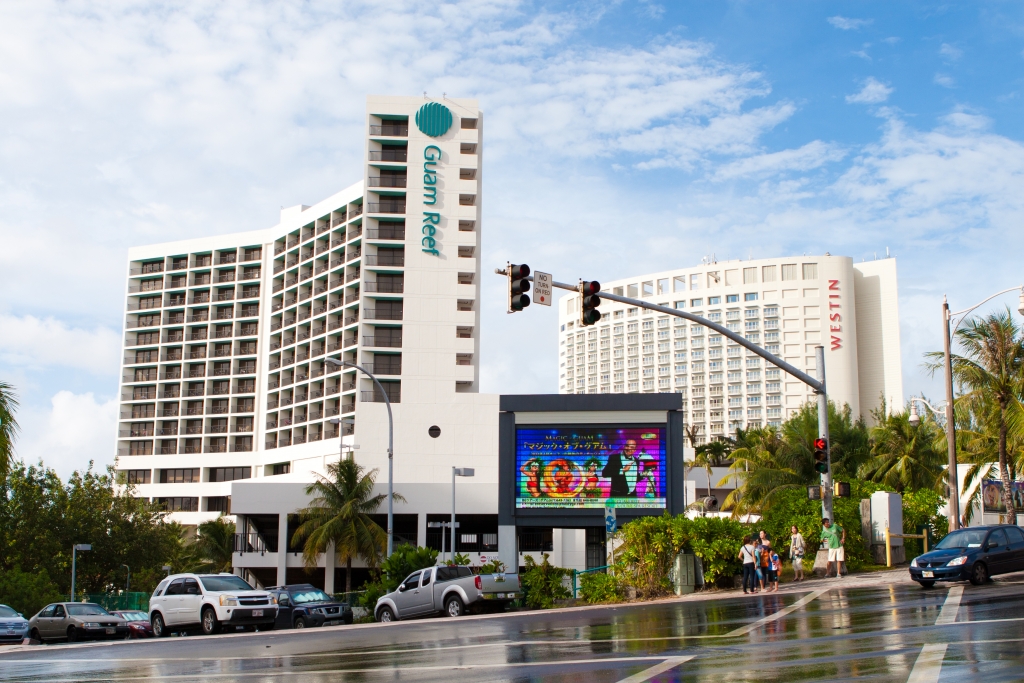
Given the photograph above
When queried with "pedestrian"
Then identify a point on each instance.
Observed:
(776, 568)
(796, 552)
(835, 536)
(764, 551)
(765, 537)
(747, 557)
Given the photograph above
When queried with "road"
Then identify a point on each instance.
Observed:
(881, 628)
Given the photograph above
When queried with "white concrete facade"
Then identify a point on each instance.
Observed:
(786, 305)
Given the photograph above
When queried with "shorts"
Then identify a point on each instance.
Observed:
(836, 554)
(770, 576)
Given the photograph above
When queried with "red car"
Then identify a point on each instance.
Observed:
(138, 622)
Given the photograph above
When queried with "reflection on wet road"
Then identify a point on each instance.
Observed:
(896, 632)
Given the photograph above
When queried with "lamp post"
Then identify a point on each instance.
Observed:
(947, 341)
(74, 551)
(457, 472)
(167, 568)
(128, 578)
(391, 441)
(341, 442)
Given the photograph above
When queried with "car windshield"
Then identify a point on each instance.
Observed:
(965, 538)
(134, 616)
(87, 610)
(224, 582)
(313, 595)
(6, 611)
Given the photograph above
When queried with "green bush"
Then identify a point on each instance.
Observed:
(404, 560)
(598, 587)
(716, 541)
(647, 552)
(492, 567)
(28, 592)
(921, 511)
(543, 583)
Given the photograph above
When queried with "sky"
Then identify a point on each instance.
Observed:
(619, 138)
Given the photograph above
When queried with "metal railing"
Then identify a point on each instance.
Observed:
(386, 207)
(382, 314)
(388, 181)
(383, 342)
(384, 287)
(385, 259)
(400, 130)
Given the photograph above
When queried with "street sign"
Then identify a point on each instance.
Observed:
(609, 520)
(542, 288)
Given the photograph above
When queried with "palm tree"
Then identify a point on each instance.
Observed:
(216, 543)
(8, 428)
(339, 515)
(991, 371)
(708, 455)
(766, 465)
(905, 457)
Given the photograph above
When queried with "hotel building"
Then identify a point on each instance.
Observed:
(786, 305)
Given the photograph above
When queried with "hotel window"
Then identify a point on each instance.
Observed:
(648, 288)
(750, 296)
(789, 271)
(138, 476)
(679, 283)
(749, 276)
(695, 282)
(732, 298)
(696, 303)
(810, 271)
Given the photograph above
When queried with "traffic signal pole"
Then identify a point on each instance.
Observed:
(818, 385)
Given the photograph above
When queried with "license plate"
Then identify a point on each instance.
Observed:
(928, 575)
(110, 631)
(257, 613)
(500, 595)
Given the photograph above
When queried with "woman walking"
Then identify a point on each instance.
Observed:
(796, 552)
(747, 557)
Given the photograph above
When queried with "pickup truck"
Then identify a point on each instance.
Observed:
(451, 591)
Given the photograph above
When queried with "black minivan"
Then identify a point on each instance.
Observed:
(304, 605)
(974, 554)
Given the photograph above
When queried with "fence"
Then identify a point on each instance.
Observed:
(113, 601)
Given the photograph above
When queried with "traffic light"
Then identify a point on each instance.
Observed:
(518, 286)
(820, 456)
(814, 492)
(841, 489)
(589, 301)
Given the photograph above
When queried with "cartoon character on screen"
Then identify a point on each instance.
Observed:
(531, 469)
(592, 487)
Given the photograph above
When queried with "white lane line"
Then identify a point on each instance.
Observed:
(951, 606)
(648, 674)
(929, 664)
(306, 673)
(743, 630)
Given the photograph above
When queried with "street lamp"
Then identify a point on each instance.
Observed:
(341, 442)
(391, 453)
(947, 317)
(128, 578)
(74, 552)
(457, 472)
(167, 568)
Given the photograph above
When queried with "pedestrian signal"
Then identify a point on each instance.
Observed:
(589, 301)
(841, 489)
(518, 286)
(821, 455)
(814, 492)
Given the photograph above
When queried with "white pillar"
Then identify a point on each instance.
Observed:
(556, 547)
(330, 559)
(282, 549)
(421, 530)
(507, 551)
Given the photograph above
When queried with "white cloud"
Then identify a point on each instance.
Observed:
(48, 343)
(944, 80)
(873, 92)
(847, 24)
(810, 156)
(75, 429)
(951, 52)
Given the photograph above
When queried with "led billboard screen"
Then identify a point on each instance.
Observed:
(590, 467)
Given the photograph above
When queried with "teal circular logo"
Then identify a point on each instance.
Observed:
(434, 119)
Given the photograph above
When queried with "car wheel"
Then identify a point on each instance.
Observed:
(72, 634)
(34, 635)
(300, 622)
(210, 624)
(926, 584)
(979, 573)
(453, 606)
(159, 628)
(385, 615)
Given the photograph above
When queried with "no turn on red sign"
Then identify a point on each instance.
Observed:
(542, 288)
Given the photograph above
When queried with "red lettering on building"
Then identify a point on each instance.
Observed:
(833, 285)
(837, 341)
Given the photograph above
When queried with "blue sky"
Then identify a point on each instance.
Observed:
(620, 137)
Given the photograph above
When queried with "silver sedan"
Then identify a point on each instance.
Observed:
(73, 621)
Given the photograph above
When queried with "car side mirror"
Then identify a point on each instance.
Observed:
(401, 589)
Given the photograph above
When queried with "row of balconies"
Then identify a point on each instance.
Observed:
(242, 329)
(242, 444)
(142, 431)
(176, 353)
(180, 264)
(194, 390)
(192, 408)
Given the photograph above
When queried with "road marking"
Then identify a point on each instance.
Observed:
(648, 674)
(206, 675)
(743, 630)
(950, 607)
(929, 664)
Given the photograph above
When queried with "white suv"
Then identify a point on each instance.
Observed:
(209, 600)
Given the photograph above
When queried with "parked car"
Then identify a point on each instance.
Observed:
(13, 625)
(138, 622)
(210, 602)
(74, 621)
(448, 590)
(304, 605)
(974, 553)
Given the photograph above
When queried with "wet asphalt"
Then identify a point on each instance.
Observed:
(817, 631)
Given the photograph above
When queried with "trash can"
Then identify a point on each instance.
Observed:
(684, 574)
